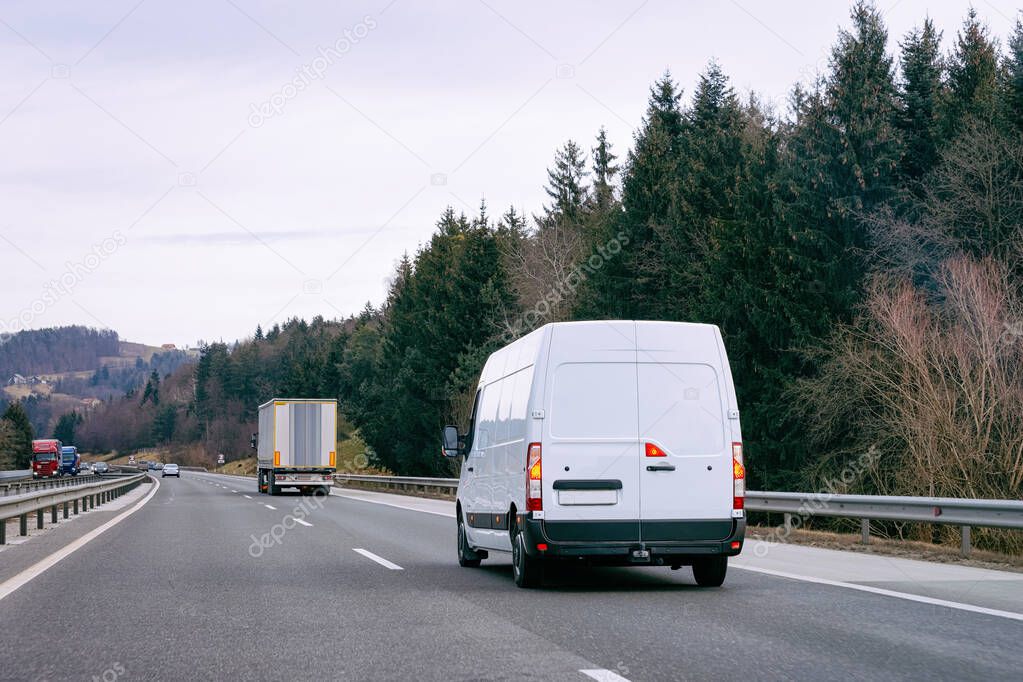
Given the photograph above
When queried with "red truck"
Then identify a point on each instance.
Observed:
(46, 458)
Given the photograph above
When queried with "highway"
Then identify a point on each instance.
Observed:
(210, 580)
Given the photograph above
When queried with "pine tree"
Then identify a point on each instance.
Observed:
(604, 172)
(972, 76)
(566, 183)
(631, 284)
(152, 390)
(17, 418)
(64, 431)
(259, 333)
(921, 95)
(709, 163)
(1013, 88)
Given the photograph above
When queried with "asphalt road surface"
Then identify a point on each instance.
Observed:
(207, 581)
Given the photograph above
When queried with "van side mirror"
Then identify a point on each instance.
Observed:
(451, 447)
(252, 441)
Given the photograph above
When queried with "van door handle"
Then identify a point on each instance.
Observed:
(470, 468)
(661, 467)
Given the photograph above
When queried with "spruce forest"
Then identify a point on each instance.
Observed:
(861, 251)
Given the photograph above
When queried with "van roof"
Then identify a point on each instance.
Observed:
(525, 350)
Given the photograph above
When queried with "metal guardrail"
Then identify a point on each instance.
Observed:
(798, 506)
(19, 487)
(15, 474)
(441, 485)
(70, 498)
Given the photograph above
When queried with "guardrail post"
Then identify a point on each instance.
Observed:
(23, 525)
(865, 531)
(39, 519)
(53, 514)
(788, 524)
(3, 531)
(65, 510)
(965, 548)
(85, 503)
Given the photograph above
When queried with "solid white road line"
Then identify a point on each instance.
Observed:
(604, 675)
(247, 497)
(380, 560)
(36, 569)
(391, 504)
(269, 507)
(888, 593)
(304, 523)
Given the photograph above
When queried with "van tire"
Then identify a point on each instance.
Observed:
(261, 482)
(710, 571)
(271, 487)
(526, 570)
(467, 558)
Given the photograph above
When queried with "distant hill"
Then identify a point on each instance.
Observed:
(56, 350)
(57, 370)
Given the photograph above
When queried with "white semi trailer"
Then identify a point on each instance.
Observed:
(296, 445)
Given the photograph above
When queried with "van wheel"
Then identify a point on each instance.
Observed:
(467, 558)
(261, 478)
(527, 570)
(710, 571)
(271, 487)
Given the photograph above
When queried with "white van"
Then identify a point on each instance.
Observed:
(610, 442)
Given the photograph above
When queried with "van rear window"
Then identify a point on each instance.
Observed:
(594, 400)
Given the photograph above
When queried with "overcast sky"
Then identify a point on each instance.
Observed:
(187, 170)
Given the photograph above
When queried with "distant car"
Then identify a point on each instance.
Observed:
(171, 470)
(86, 466)
(159, 465)
(152, 466)
(100, 468)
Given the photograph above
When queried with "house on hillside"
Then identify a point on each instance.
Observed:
(169, 346)
(19, 380)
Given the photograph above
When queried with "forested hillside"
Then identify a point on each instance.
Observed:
(60, 349)
(861, 252)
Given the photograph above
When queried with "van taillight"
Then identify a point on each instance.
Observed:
(738, 477)
(534, 479)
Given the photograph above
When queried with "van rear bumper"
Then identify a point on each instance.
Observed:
(616, 542)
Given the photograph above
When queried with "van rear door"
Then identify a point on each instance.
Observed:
(685, 466)
(590, 448)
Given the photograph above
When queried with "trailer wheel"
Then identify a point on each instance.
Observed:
(710, 571)
(271, 487)
(261, 481)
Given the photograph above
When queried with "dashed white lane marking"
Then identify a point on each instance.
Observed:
(269, 507)
(304, 523)
(888, 593)
(36, 569)
(247, 497)
(604, 675)
(380, 560)
(234, 491)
